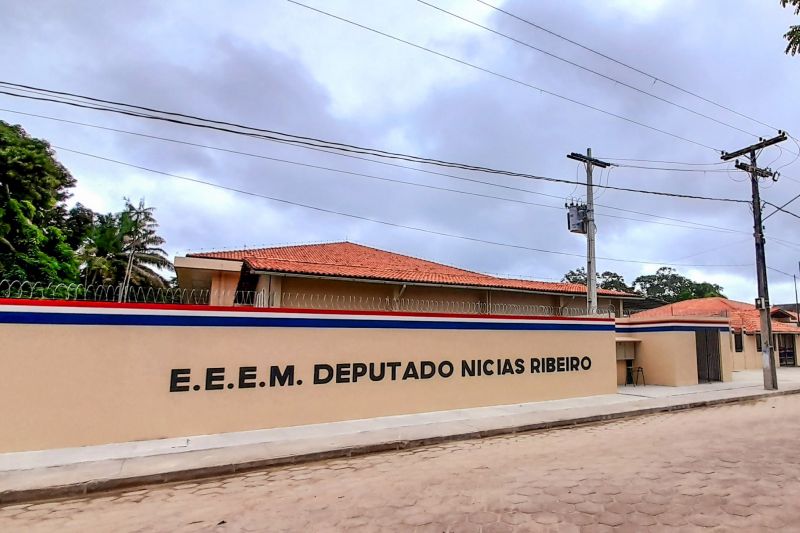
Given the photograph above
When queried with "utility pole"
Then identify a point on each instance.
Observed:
(762, 302)
(796, 305)
(590, 228)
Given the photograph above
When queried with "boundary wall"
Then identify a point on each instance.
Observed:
(85, 373)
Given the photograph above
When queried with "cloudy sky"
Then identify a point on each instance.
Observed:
(279, 66)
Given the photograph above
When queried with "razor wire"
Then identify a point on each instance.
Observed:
(11, 289)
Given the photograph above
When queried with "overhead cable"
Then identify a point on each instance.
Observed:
(367, 152)
(626, 65)
(370, 219)
(694, 224)
(587, 69)
(504, 76)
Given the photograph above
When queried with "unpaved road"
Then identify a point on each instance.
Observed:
(729, 468)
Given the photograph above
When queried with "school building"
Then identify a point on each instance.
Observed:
(744, 322)
(352, 276)
(299, 335)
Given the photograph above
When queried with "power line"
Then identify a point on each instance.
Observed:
(779, 271)
(695, 225)
(503, 76)
(673, 169)
(364, 218)
(662, 161)
(587, 69)
(623, 64)
(781, 209)
(402, 156)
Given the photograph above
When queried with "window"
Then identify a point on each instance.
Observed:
(758, 342)
(737, 342)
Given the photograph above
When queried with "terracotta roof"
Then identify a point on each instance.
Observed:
(742, 316)
(716, 306)
(349, 260)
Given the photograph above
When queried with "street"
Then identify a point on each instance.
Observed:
(727, 468)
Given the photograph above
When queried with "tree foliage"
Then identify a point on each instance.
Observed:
(665, 285)
(122, 242)
(43, 241)
(793, 35)
(669, 286)
(606, 280)
(33, 218)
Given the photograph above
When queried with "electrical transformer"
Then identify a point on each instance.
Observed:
(576, 218)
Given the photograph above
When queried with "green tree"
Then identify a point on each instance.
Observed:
(80, 221)
(606, 280)
(125, 246)
(613, 281)
(575, 276)
(705, 290)
(793, 35)
(669, 286)
(33, 189)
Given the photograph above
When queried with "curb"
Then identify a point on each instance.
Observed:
(86, 488)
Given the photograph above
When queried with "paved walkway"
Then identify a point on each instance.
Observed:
(74, 471)
(733, 467)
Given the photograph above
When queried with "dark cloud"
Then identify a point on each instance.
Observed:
(282, 68)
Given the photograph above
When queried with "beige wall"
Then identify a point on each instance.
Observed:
(295, 285)
(314, 286)
(223, 288)
(295, 288)
(670, 357)
(621, 373)
(76, 385)
(726, 355)
(750, 357)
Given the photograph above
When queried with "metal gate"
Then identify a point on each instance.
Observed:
(708, 355)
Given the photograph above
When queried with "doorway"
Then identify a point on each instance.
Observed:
(786, 350)
(708, 355)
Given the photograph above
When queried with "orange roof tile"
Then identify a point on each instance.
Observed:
(742, 316)
(349, 260)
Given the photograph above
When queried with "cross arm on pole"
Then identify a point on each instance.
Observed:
(584, 159)
(727, 156)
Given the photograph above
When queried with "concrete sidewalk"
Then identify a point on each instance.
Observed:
(76, 471)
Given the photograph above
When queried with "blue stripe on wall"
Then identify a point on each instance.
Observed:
(282, 322)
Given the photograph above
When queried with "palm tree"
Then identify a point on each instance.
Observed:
(101, 255)
(125, 249)
(143, 248)
(793, 35)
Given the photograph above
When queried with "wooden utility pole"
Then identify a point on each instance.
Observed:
(762, 302)
(591, 229)
(796, 304)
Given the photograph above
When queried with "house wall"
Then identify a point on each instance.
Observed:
(668, 352)
(78, 373)
(298, 292)
(275, 290)
(751, 358)
(621, 373)
(726, 354)
(223, 287)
